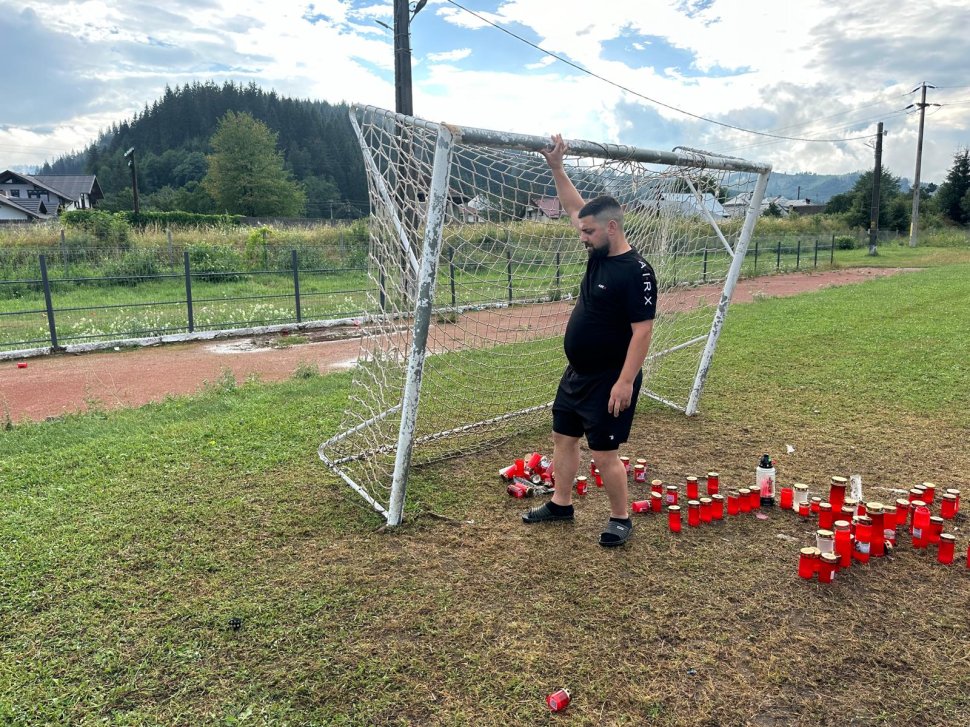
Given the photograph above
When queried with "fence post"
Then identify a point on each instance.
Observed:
(383, 294)
(558, 274)
(171, 252)
(816, 253)
(705, 264)
(451, 274)
(508, 268)
(832, 251)
(296, 286)
(188, 290)
(755, 257)
(778, 256)
(48, 303)
(798, 253)
(67, 273)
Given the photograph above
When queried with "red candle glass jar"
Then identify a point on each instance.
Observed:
(936, 529)
(692, 491)
(671, 494)
(929, 492)
(948, 506)
(744, 499)
(639, 473)
(582, 485)
(875, 510)
(916, 494)
(707, 513)
(825, 518)
(625, 461)
(717, 506)
(863, 538)
(657, 486)
(944, 553)
(848, 513)
(656, 501)
(598, 477)
(558, 700)
(640, 506)
(733, 503)
(902, 511)
(827, 566)
(787, 498)
(837, 492)
(804, 509)
(843, 542)
(755, 497)
(713, 483)
(814, 504)
(693, 513)
(956, 494)
(807, 561)
(673, 518)
(921, 524)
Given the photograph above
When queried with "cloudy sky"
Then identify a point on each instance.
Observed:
(811, 69)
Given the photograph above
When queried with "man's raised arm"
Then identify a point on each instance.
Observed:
(569, 197)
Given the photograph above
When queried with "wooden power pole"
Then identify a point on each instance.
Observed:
(914, 223)
(874, 207)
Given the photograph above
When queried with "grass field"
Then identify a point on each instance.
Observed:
(129, 539)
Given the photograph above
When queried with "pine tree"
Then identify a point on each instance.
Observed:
(951, 194)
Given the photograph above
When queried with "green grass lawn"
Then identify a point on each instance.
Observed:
(130, 538)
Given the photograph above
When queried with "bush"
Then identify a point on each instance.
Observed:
(109, 228)
(845, 242)
(131, 266)
(215, 263)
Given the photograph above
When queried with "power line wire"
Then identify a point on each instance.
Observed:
(640, 95)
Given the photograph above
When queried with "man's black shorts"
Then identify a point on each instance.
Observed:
(581, 407)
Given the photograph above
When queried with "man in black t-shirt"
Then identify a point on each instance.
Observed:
(606, 342)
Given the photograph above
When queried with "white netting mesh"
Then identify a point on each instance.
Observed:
(508, 274)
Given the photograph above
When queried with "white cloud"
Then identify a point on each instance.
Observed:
(451, 55)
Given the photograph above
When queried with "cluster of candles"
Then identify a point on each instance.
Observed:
(850, 530)
(701, 509)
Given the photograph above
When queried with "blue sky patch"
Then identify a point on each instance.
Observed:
(639, 51)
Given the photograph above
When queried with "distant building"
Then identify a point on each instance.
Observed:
(46, 195)
(541, 209)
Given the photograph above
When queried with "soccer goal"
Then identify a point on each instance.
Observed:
(474, 271)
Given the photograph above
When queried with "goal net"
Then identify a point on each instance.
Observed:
(474, 271)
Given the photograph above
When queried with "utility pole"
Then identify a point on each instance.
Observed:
(403, 99)
(914, 223)
(130, 156)
(874, 207)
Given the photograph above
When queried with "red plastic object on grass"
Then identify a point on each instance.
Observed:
(21, 364)
(558, 700)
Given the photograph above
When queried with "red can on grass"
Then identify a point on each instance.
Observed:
(558, 700)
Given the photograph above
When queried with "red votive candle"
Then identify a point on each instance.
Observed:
(825, 517)
(598, 477)
(936, 529)
(639, 473)
(837, 492)
(640, 506)
(755, 497)
(657, 486)
(558, 700)
(671, 495)
(862, 509)
(717, 506)
(533, 462)
(787, 498)
(848, 512)
(744, 499)
(807, 561)
(921, 524)
(968, 557)
(517, 489)
(656, 501)
(520, 468)
(582, 485)
(875, 510)
(713, 483)
(814, 504)
(693, 513)
(625, 461)
(827, 566)
(956, 494)
(733, 503)
(692, 490)
(902, 511)
(944, 553)
(707, 513)
(863, 539)
(673, 518)
(929, 492)
(843, 542)
(804, 509)
(916, 494)
(948, 506)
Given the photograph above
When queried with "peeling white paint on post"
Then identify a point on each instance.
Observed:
(437, 210)
(734, 272)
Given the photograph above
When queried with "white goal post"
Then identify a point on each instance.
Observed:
(474, 270)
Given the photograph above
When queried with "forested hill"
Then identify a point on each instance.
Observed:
(171, 140)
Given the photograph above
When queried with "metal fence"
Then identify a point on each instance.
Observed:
(67, 296)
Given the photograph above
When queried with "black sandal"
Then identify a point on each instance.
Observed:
(615, 534)
(542, 514)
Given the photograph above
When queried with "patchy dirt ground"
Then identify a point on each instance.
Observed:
(55, 385)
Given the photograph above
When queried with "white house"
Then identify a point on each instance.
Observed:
(57, 192)
(23, 210)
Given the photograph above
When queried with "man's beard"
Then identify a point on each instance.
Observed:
(597, 253)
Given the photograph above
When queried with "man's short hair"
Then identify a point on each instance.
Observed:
(604, 208)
